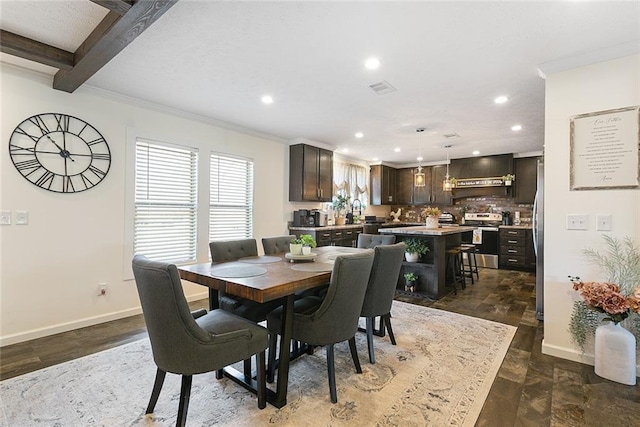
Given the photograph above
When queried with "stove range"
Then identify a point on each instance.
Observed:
(485, 237)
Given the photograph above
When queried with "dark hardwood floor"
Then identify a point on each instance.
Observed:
(531, 389)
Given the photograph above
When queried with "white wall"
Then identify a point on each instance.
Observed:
(602, 86)
(50, 268)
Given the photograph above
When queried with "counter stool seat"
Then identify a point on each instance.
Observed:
(454, 268)
(471, 268)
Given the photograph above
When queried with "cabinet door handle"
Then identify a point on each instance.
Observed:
(512, 260)
(512, 232)
(512, 251)
(512, 241)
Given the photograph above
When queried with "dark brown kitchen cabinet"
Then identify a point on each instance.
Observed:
(383, 185)
(525, 185)
(482, 167)
(310, 174)
(438, 195)
(516, 249)
(407, 193)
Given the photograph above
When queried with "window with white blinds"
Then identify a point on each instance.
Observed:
(165, 227)
(231, 198)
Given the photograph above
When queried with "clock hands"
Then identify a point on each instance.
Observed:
(63, 152)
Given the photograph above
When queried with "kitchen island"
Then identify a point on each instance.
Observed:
(431, 269)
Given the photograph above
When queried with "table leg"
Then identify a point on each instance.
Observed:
(213, 299)
(280, 399)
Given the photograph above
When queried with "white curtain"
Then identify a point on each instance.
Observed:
(351, 180)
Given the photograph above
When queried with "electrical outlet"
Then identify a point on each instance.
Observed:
(22, 217)
(577, 222)
(603, 222)
(5, 217)
(102, 289)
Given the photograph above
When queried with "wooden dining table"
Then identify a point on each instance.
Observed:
(262, 279)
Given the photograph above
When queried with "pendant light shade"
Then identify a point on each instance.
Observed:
(447, 183)
(419, 179)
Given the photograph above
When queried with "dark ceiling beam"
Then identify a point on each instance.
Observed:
(118, 6)
(32, 50)
(112, 35)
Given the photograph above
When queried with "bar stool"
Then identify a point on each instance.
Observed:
(472, 263)
(454, 268)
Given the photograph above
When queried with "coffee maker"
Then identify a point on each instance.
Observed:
(506, 218)
(306, 218)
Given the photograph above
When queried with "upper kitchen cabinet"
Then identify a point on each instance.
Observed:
(383, 185)
(482, 167)
(310, 174)
(407, 193)
(438, 195)
(525, 185)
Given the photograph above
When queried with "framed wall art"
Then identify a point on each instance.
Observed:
(605, 150)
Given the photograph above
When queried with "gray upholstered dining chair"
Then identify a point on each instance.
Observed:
(184, 345)
(277, 244)
(370, 241)
(333, 319)
(381, 289)
(232, 250)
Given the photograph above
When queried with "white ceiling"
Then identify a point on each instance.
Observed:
(447, 60)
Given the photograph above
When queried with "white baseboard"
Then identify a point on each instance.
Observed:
(571, 354)
(77, 324)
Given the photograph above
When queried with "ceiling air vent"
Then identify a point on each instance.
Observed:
(451, 135)
(382, 87)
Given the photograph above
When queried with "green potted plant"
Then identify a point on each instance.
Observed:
(339, 205)
(432, 215)
(508, 178)
(410, 281)
(295, 246)
(415, 248)
(308, 242)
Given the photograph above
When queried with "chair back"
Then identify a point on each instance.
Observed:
(174, 334)
(277, 244)
(336, 319)
(383, 279)
(370, 241)
(231, 250)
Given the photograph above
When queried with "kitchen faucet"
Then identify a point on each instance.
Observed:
(353, 207)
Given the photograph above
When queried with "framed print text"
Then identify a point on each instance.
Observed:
(605, 149)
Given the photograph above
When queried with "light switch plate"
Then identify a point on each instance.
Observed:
(603, 222)
(577, 222)
(22, 217)
(5, 217)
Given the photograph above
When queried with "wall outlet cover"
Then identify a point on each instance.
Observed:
(5, 217)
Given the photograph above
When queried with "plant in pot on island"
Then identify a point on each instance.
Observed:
(415, 248)
(432, 216)
(339, 206)
(302, 245)
(605, 307)
(508, 178)
(410, 282)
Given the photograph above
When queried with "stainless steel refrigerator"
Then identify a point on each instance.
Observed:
(538, 240)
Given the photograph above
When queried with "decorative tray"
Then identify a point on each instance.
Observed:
(292, 258)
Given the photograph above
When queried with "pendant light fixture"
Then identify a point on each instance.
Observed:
(419, 177)
(447, 184)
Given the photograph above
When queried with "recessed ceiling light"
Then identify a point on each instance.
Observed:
(345, 150)
(501, 100)
(267, 99)
(359, 134)
(397, 149)
(516, 127)
(419, 159)
(375, 159)
(475, 153)
(372, 63)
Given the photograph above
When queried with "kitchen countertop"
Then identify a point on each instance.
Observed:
(519, 227)
(422, 230)
(327, 227)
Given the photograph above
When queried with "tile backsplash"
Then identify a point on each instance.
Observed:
(472, 204)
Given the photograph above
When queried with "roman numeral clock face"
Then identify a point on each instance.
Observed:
(59, 153)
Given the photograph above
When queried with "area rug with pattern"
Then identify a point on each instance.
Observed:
(438, 374)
